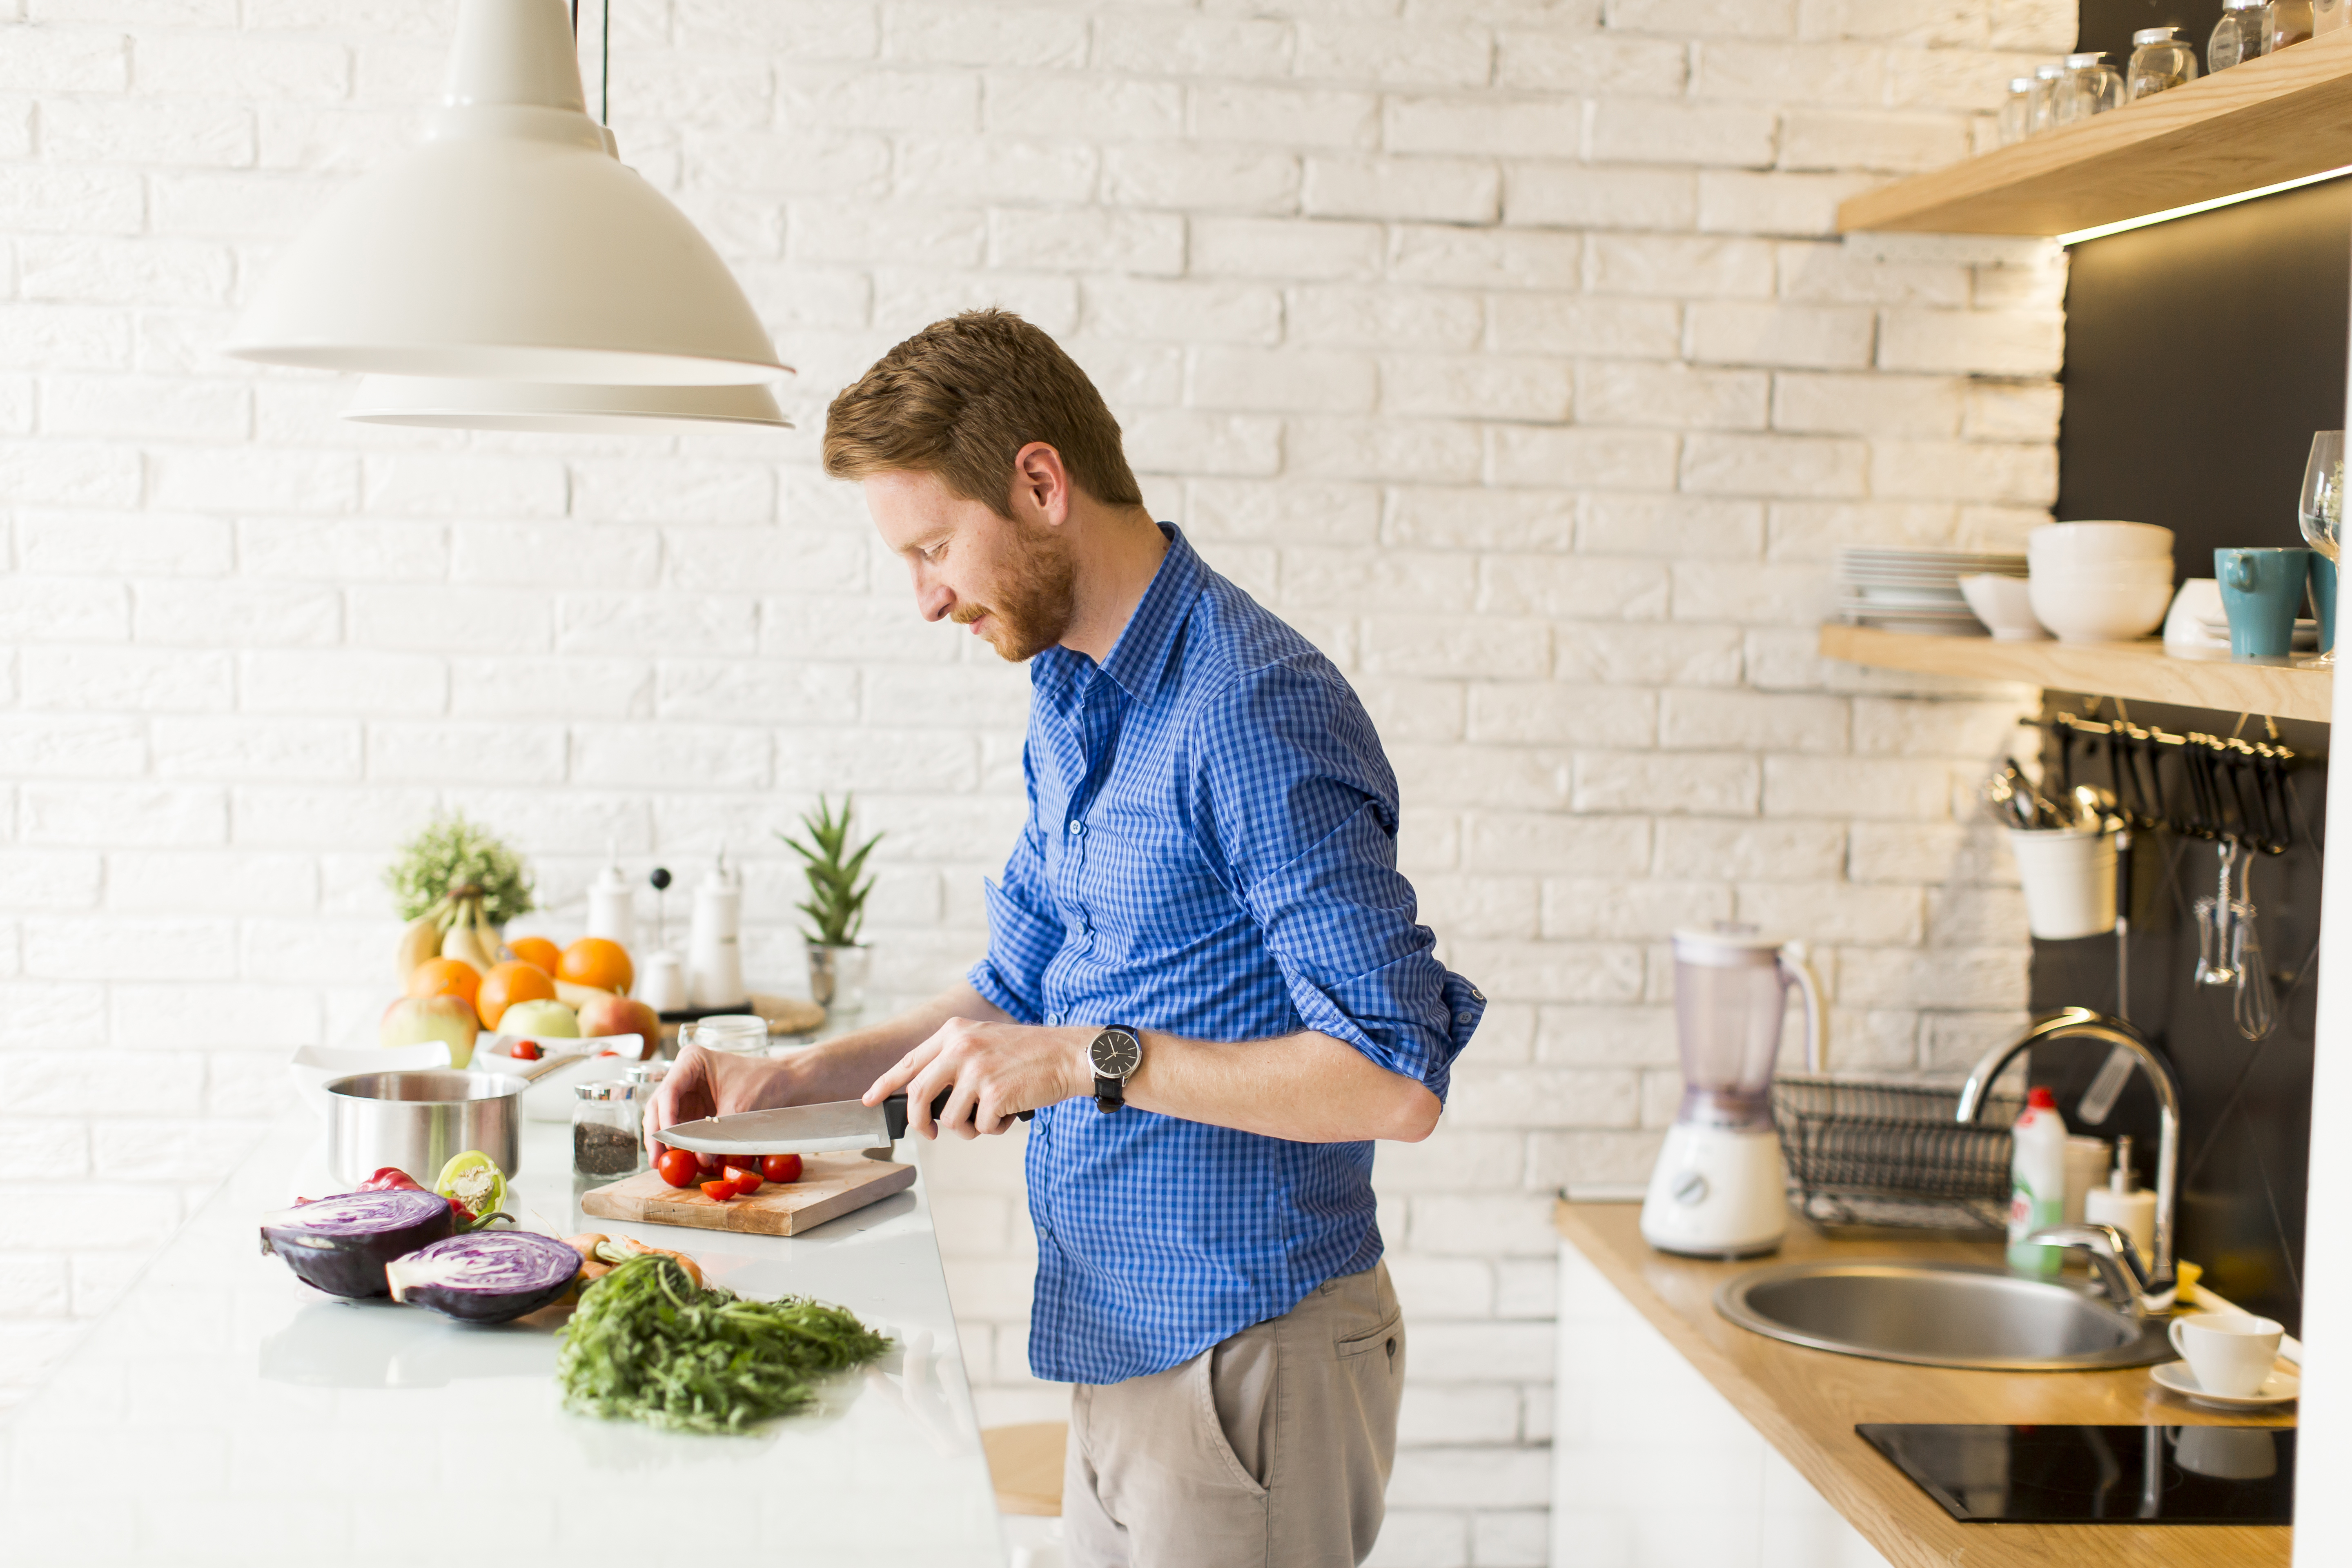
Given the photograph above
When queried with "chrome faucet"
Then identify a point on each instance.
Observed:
(2153, 1279)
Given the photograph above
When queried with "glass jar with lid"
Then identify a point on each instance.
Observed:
(2160, 61)
(2090, 87)
(2242, 34)
(606, 1144)
(2016, 123)
(2041, 110)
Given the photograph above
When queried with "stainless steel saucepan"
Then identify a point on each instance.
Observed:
(418, 1121)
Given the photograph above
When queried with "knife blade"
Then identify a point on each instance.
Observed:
(802, 1129)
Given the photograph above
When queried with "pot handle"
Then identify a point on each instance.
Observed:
(1795, 968)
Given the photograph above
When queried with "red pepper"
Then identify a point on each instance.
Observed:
(392, 1179)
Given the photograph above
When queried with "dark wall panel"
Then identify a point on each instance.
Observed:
(2201, 357)
(2108, 25)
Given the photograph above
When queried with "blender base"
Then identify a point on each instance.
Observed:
(1718, 1192)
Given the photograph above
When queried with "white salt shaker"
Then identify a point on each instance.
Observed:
(714, 953)
(612, 906)
(661, 985)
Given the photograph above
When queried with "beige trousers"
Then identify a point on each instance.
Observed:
(1271, 1449)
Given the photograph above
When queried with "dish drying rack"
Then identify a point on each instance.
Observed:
(1892, 1154)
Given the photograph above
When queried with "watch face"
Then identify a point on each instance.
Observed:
(1115, 1053)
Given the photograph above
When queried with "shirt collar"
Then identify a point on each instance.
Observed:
(1142, 652)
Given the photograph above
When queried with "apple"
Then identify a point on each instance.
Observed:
(552, 1019)
(609, 1014)
(414, 1020)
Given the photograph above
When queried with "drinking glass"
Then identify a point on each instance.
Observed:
(2320, 508)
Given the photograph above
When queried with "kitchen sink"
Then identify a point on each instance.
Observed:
(1940, 1314)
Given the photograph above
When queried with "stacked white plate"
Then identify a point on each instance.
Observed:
(1915, 590)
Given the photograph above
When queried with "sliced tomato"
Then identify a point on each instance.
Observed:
(780, 1167)
(678, 1167)
(719, 1191)
(746, 1179)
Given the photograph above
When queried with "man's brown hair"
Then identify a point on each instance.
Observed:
(960, 397)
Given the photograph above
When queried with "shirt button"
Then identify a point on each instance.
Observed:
(1053, 1020)
(1076, 827)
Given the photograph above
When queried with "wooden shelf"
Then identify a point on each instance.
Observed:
(2282, 117)
(2140, 671)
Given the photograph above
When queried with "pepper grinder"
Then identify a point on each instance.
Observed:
(714, 963)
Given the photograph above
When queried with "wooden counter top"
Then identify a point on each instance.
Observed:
(1806, 1402)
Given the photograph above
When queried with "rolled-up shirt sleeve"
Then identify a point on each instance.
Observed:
(1024, 931)
(1294, 800)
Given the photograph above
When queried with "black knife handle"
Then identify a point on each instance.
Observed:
(894, 1113)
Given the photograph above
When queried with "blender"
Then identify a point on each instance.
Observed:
(1719, 1189)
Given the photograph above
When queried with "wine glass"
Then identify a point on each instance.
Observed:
(2320, 508)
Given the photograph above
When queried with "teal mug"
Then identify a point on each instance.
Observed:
(2263, 592)
(2323, 599)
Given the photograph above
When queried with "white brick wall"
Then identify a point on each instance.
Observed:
(1502, 345)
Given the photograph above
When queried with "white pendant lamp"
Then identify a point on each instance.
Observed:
(512, 245)
(562, 410)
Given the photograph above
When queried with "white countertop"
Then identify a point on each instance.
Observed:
(224, 1412)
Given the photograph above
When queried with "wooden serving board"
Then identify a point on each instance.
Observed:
(831, 1185)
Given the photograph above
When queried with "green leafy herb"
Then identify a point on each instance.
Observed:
(835, 901)
(649, 1344)
(455, 857)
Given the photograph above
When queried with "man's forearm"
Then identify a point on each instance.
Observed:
(1308, 1088)
(842, 1067)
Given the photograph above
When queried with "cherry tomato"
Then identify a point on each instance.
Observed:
(780, 1167)
(710, 1162)
(678, 1167)
(719, 1191)
(746, 1179)
(525, 1050)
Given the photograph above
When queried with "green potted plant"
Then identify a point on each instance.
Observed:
(456, 886)
(836, 905)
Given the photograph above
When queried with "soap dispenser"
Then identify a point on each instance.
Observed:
(714, 954)
(613, 905)
(2130, 1209)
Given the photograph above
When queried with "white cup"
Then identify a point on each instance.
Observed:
(2070, 880)
(2231, 1352)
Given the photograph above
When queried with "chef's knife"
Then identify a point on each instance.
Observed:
(802, 1129)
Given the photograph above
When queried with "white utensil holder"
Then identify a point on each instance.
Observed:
(2070, 882)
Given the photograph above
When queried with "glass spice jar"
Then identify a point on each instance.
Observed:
(2016, 123)
(2242, 34)
(2041, 109)
(2292, 22)
(2160, 61)
(2090, 87)
(605, 1144)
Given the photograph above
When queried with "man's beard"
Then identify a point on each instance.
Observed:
(1032, 606)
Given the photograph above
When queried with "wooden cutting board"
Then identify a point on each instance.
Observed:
(831, 1185)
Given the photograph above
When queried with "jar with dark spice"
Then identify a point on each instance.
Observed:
(605, 1134)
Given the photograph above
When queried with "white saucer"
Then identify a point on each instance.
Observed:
(2279, 1388)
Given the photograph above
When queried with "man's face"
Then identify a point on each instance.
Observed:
(1008, 579)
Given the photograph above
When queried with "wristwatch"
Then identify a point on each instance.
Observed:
(1115, 1054)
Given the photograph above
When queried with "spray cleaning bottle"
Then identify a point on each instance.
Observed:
(2037, 1186)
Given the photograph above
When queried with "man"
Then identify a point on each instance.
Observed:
(1204, 974)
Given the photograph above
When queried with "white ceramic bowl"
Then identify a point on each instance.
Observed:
(2099, 611)
(2004, 604)
(2083, 541)
(2147, 569)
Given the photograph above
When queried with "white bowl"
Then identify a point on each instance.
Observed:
(2004, 604)
(2148, 569)
(2060, 542)
(2099, 612)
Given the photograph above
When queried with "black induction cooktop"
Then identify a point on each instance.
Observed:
(2098, 1475)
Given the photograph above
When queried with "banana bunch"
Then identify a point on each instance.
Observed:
(454, 927)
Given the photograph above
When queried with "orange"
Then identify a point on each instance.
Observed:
(538, 951)
(597, 961)
(511, 982)
(444, 977)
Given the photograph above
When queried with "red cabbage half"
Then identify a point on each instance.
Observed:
(486, 1277)
(340, 1244)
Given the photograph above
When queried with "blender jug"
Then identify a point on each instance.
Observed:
(1719, 1188)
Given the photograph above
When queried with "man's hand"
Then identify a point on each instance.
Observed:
(998, 1070)
(714, 1083)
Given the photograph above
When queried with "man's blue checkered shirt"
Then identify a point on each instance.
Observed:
(1211, 851)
